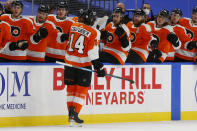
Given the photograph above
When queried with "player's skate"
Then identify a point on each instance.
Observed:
(74, 118)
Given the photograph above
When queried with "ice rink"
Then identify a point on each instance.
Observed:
(133, 126)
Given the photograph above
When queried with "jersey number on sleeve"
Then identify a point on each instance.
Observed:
(79, 44)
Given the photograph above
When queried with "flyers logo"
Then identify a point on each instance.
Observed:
(59, 28)
(190, 33)
(110, 37)
(133, 37)
(15, 31)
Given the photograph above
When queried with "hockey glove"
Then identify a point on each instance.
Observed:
(104, 35)
(64, 37)
(158, 61)
(98, 66)
(191, 45)
(173, 39)
(40, 34)
(154, 44)
(22, 44)
(157, 53)
(150, 57)
(154, 56)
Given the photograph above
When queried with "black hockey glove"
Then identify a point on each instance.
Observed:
(191, 45)
(158, 61)
(157, 53)
(104, 35)
(40, 34)
(98, 66)
(22, 45)
(173, 39)
(64, 37)
(154, 56)
(154, 44)
(122, 37)
(150, 57)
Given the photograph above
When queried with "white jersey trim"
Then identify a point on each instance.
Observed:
(186, 53)
(144, 52)
(148, 28)
(94, 53)
(55, 51)
(171, 54)
(119, 53)
(35, 54)
(77, 59)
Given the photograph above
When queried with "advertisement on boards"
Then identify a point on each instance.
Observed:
(150, 93)
(28, 91)
(40, 90)
(188, 88)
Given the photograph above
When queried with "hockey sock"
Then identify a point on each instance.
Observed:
(70, 95)
(79, 99)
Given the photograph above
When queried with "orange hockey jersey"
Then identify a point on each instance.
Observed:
(5, 33)
(113, 45)
(141, 37)
(57, 50)
(161, 34)
(21, 29)
(83, 45)
(191, 30)
(37, 51)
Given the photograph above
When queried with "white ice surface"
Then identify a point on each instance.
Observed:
(133, 126)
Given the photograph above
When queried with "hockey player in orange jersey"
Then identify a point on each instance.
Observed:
(13, 50)
(116, 37)
(5, 35)
(56, 51)
(83, 51)
(180, 31)
(189, 51)
(46, 33)
(168, 41)
(141, 38)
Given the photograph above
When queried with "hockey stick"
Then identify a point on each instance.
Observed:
(81, 68)
(143, 1)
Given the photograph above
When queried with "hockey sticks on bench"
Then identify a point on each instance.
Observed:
(131, 81)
